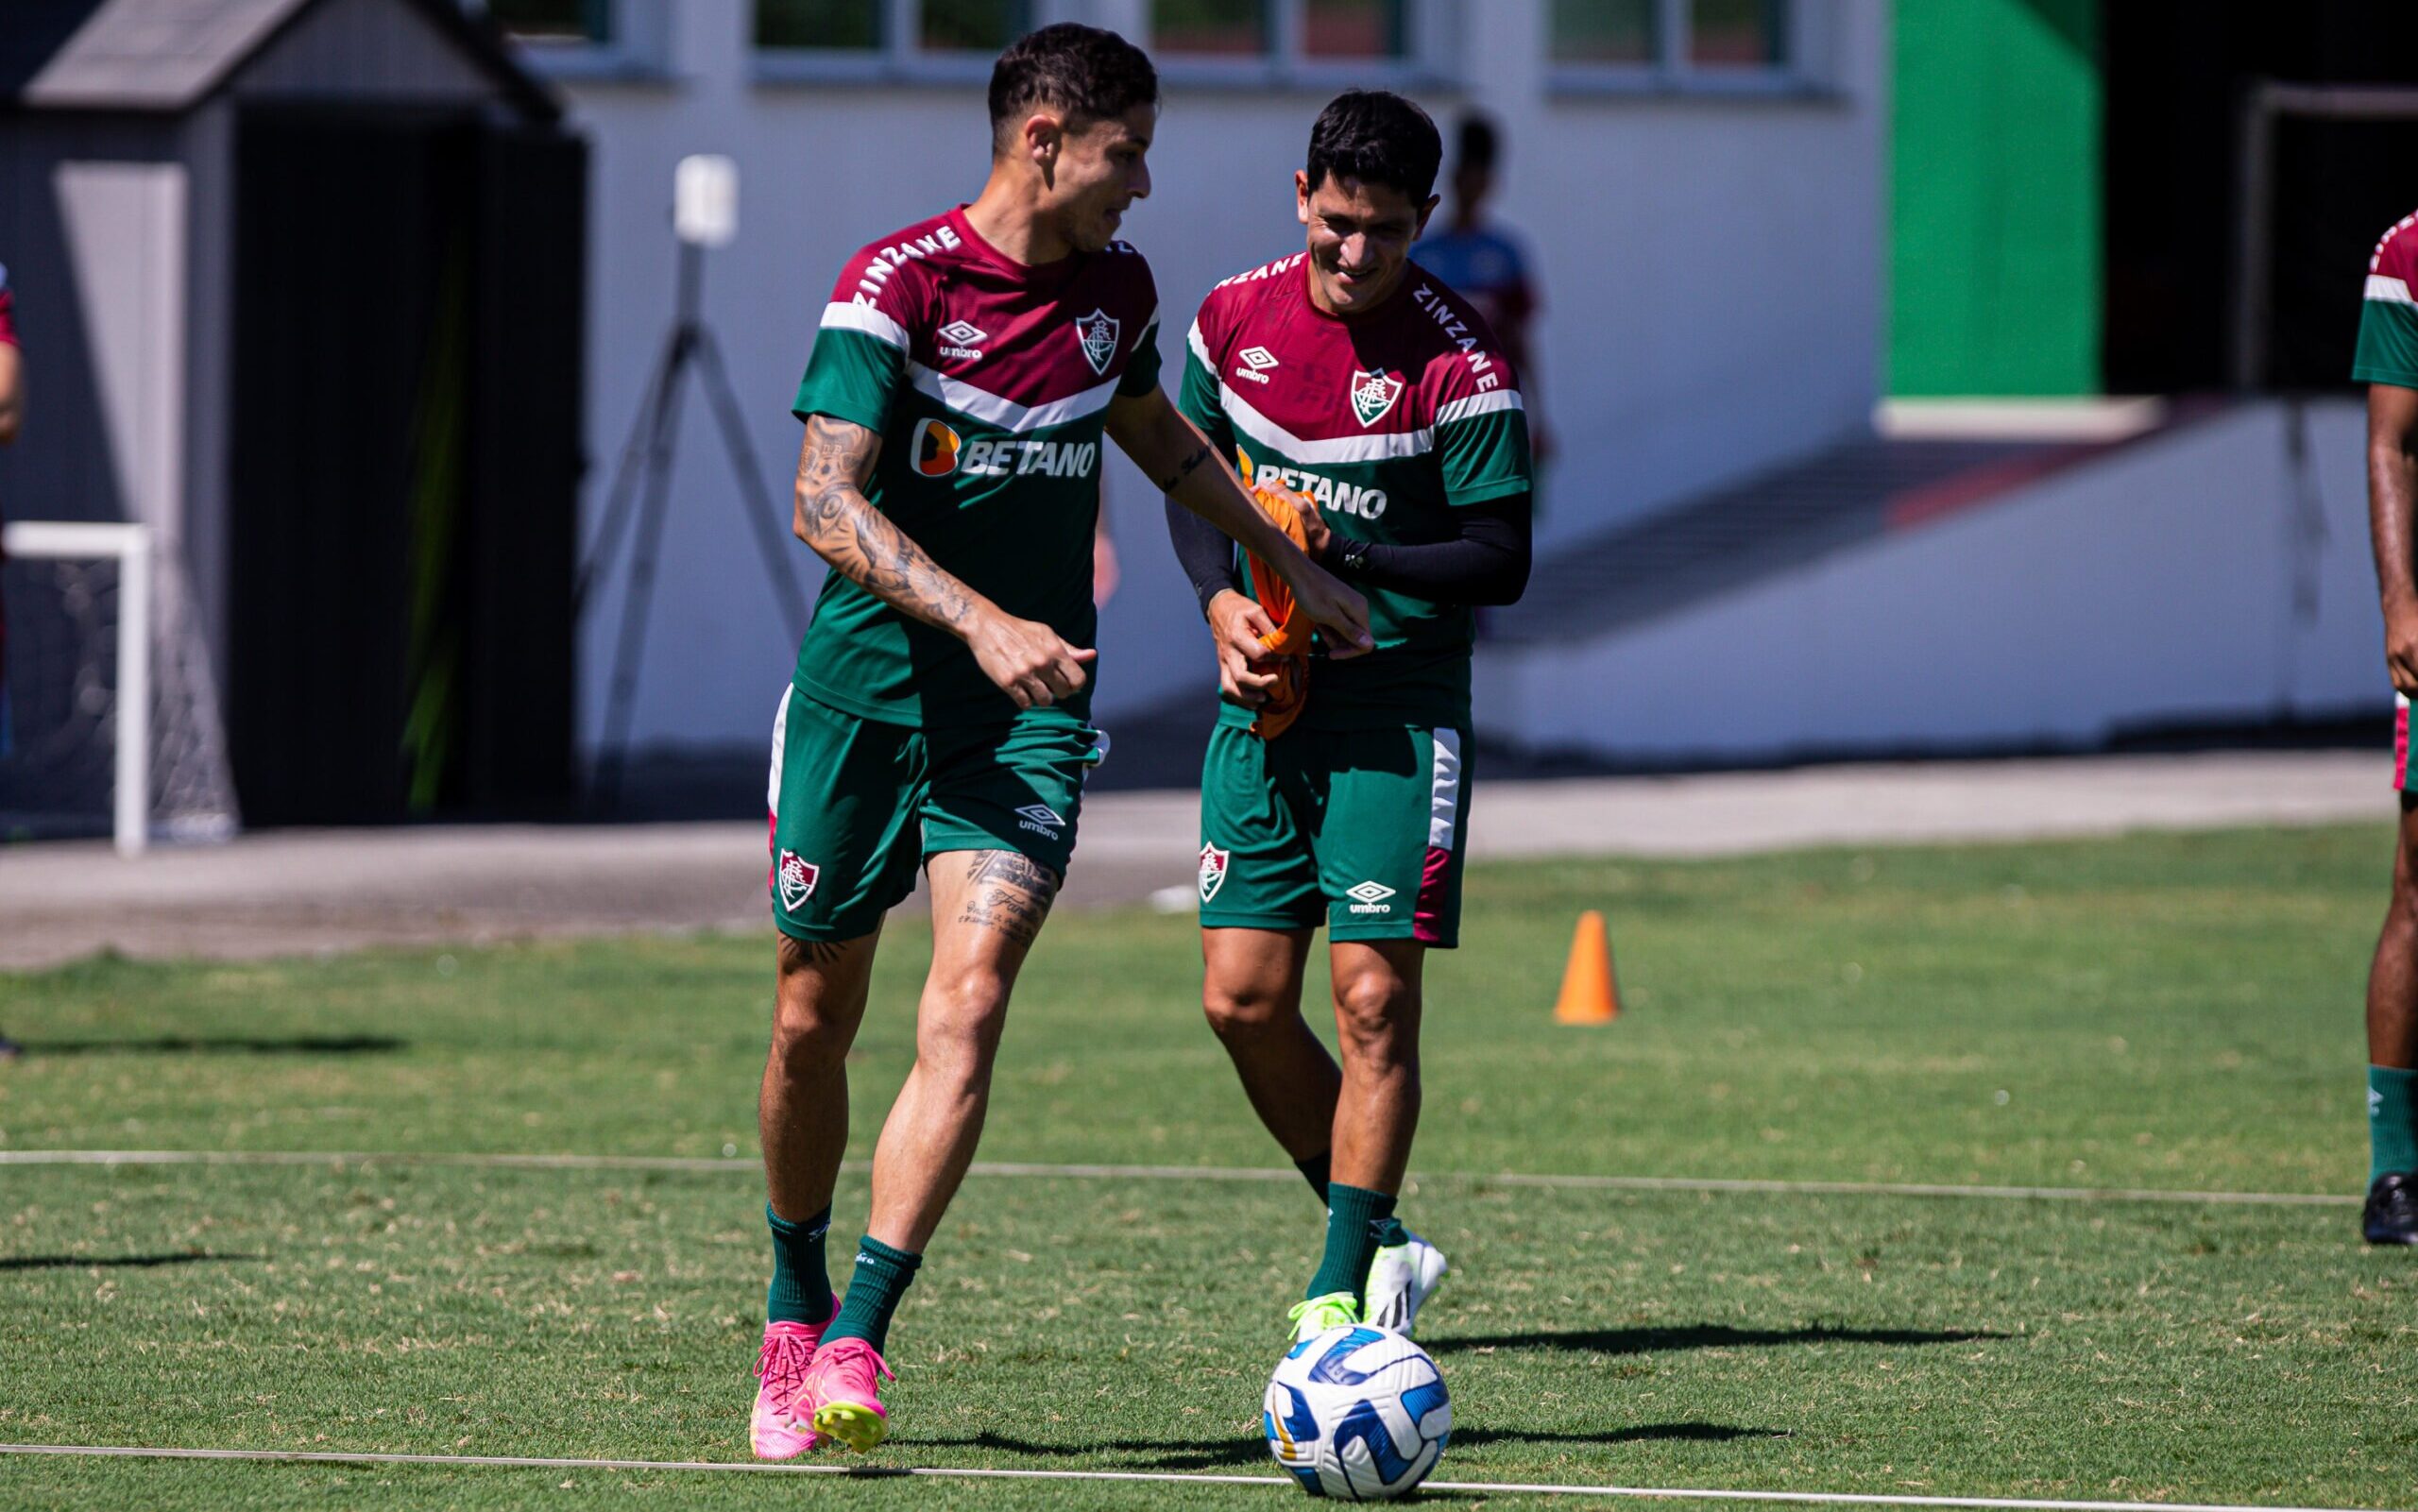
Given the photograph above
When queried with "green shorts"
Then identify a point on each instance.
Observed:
(1361, 830)
(858, 803)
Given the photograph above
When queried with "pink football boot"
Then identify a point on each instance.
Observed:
(845, 1385)
(779, 1429)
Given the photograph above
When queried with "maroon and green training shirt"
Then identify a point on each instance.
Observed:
(1390, 420)
(988, 382)
(2389, 316)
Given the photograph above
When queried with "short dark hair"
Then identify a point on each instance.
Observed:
(1079, 69)
(1379, 137)
(1479, 144)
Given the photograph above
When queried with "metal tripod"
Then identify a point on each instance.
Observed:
(655, 436)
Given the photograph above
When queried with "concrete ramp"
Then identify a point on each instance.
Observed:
(1897, 598)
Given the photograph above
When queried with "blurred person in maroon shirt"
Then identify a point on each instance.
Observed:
(12, 408)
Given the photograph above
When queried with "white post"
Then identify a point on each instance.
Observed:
(133, 821)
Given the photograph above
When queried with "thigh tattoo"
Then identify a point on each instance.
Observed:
(1008, 892)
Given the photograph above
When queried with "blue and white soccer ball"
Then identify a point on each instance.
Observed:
(1358, 1412)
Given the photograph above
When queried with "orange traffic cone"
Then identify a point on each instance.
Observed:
(1589, 995)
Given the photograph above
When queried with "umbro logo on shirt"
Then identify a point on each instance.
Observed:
(958, 339)
(1256, 361)
(1369, 897)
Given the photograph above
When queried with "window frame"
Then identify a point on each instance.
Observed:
(901, 58)
(1286, 66)
(1671, 71)
(638, 51)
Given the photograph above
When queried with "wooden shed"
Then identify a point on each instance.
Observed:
(299, 285)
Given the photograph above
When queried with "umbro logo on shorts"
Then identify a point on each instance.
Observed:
(1369, 897)
(1041, 820)
(796, 876)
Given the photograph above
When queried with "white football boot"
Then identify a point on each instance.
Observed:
(1401, 1280)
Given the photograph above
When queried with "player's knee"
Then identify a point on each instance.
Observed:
(2402, 914)
(805, 1040)
(1376, 1017)
(1239, 1011)
(961, 1021)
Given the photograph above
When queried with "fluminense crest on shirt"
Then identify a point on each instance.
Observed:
(1372, 394)
(1098, 332)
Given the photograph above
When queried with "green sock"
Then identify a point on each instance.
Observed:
(1314, 1171)
(1354, 1217)
(2392, 1121)
(801, 1289)
(874, 1294)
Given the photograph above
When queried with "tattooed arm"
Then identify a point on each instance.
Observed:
(1176, 456)
(1028, 661)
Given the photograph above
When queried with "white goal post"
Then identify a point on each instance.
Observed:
(105, 650)
(130, 546)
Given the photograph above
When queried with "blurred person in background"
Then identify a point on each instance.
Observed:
(2388, 363)
(1483, 263)
(13, 409)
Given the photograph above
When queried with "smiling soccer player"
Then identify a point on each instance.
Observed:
(964, 374)
(1369, 390)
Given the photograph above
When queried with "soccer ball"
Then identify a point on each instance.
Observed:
(1358, 1412)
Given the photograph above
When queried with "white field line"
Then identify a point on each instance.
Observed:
(709, 1163)
(1162, 1477)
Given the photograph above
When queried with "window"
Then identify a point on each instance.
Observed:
(946, 40)
(834, 26)
(1674, 45)
(555, 20)
(1257, 42)
(584, 39)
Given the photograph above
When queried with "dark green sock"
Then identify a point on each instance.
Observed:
(874, 1293)
(2392, 1121)
(801, 1289)
(1314, 1171)
(1354, 1216)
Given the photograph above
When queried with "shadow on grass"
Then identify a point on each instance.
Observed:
(221, 1044)
(1698, 1336)
(113, 1262)
(1243, 1454)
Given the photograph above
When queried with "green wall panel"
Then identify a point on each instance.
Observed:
(1995, 198)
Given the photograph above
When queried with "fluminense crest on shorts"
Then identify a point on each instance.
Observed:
(1213, 872)
(1372, 394)
(1098, 332)
(796, 876)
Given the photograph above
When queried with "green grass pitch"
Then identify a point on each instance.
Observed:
(2165, 1012)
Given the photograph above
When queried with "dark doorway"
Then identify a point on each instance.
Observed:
(406, 465)
(2177, 73)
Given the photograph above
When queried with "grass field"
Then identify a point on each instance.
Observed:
(2171, 1012)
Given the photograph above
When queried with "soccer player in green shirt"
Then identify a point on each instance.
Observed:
(966, 370)
(1353, 379)
(2388, 363)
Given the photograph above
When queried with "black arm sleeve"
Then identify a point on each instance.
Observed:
(1486, 564)
(1206, 552)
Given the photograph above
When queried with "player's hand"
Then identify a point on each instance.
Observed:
(1332, 605)
(1235, 624)
(1316, 538)
(1028, 661)
(2401, 647)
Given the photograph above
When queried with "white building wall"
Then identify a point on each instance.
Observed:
(1712, 269)
(2189, 579)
